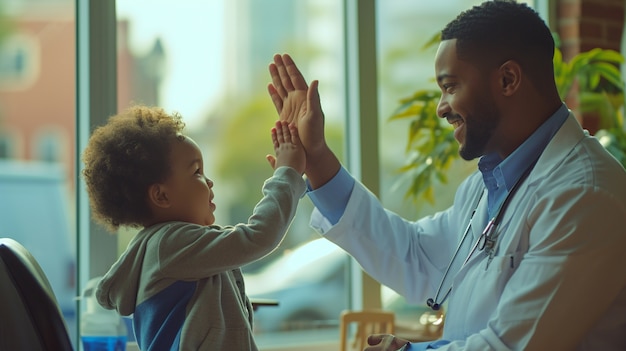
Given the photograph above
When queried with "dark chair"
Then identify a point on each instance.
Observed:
(30, 318)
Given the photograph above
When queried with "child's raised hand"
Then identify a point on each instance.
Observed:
(297, 102)
(287, 147)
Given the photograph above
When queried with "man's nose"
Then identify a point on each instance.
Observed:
(443, 108)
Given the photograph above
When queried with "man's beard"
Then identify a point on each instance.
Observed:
(479, 129)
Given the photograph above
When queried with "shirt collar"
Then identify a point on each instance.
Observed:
(506, 172)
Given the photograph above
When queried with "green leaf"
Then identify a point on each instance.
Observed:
(610, 73)
(609, 56)
(434, 40)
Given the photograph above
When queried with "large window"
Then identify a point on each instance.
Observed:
(208, 60)
(37, 128)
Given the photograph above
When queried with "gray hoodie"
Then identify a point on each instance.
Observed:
(182, 281)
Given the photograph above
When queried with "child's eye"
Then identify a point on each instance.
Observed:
(447, 87)
(198, 171)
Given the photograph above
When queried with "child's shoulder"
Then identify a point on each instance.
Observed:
(179, 232)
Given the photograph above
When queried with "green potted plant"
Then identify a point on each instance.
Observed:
(600, 95)
(431, 145)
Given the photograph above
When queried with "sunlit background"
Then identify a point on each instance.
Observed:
(208, 61)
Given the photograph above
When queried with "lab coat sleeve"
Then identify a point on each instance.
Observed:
(408, 257)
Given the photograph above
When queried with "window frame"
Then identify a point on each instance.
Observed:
(96, 100)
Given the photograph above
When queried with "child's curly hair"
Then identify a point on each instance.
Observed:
(123, 158)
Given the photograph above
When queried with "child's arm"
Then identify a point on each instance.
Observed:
(287, 147)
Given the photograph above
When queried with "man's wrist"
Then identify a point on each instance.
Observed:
(321, 169)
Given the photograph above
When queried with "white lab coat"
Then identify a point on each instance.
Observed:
(557, 280)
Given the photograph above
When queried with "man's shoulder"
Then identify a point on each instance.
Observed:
(584, 165)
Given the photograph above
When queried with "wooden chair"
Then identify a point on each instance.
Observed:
(367, 322)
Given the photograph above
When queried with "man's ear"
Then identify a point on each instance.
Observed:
(510, 76)
(157, 195)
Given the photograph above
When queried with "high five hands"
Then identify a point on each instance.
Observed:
(296, 102)
(299, 104)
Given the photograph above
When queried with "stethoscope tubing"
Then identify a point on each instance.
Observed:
(486, 236)
(432, 302)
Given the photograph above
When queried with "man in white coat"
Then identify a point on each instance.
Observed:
(530, 256)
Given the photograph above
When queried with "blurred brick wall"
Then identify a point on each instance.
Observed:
(587, 24)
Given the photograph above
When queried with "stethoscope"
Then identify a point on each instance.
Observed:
(486, 241)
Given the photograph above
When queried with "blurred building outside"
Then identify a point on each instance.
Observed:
(38, 129)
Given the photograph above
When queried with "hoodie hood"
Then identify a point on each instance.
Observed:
(118, 289)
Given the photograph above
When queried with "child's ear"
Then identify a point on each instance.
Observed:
(157, 195)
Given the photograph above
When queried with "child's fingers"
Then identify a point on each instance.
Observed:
(274, 134)
(286, 132)
(293, 131)
(272, 160)
(280, 134)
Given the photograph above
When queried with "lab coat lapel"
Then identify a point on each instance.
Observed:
(562, 143)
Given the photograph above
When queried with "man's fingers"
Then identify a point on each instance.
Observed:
(283, 75)
(375, 339)
(313, 96)
(275, 96)
(296, 78)
(276, 78)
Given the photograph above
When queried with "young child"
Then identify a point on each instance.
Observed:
(180, 274)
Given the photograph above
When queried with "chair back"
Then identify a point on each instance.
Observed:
(31, 318)
(367, 322)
